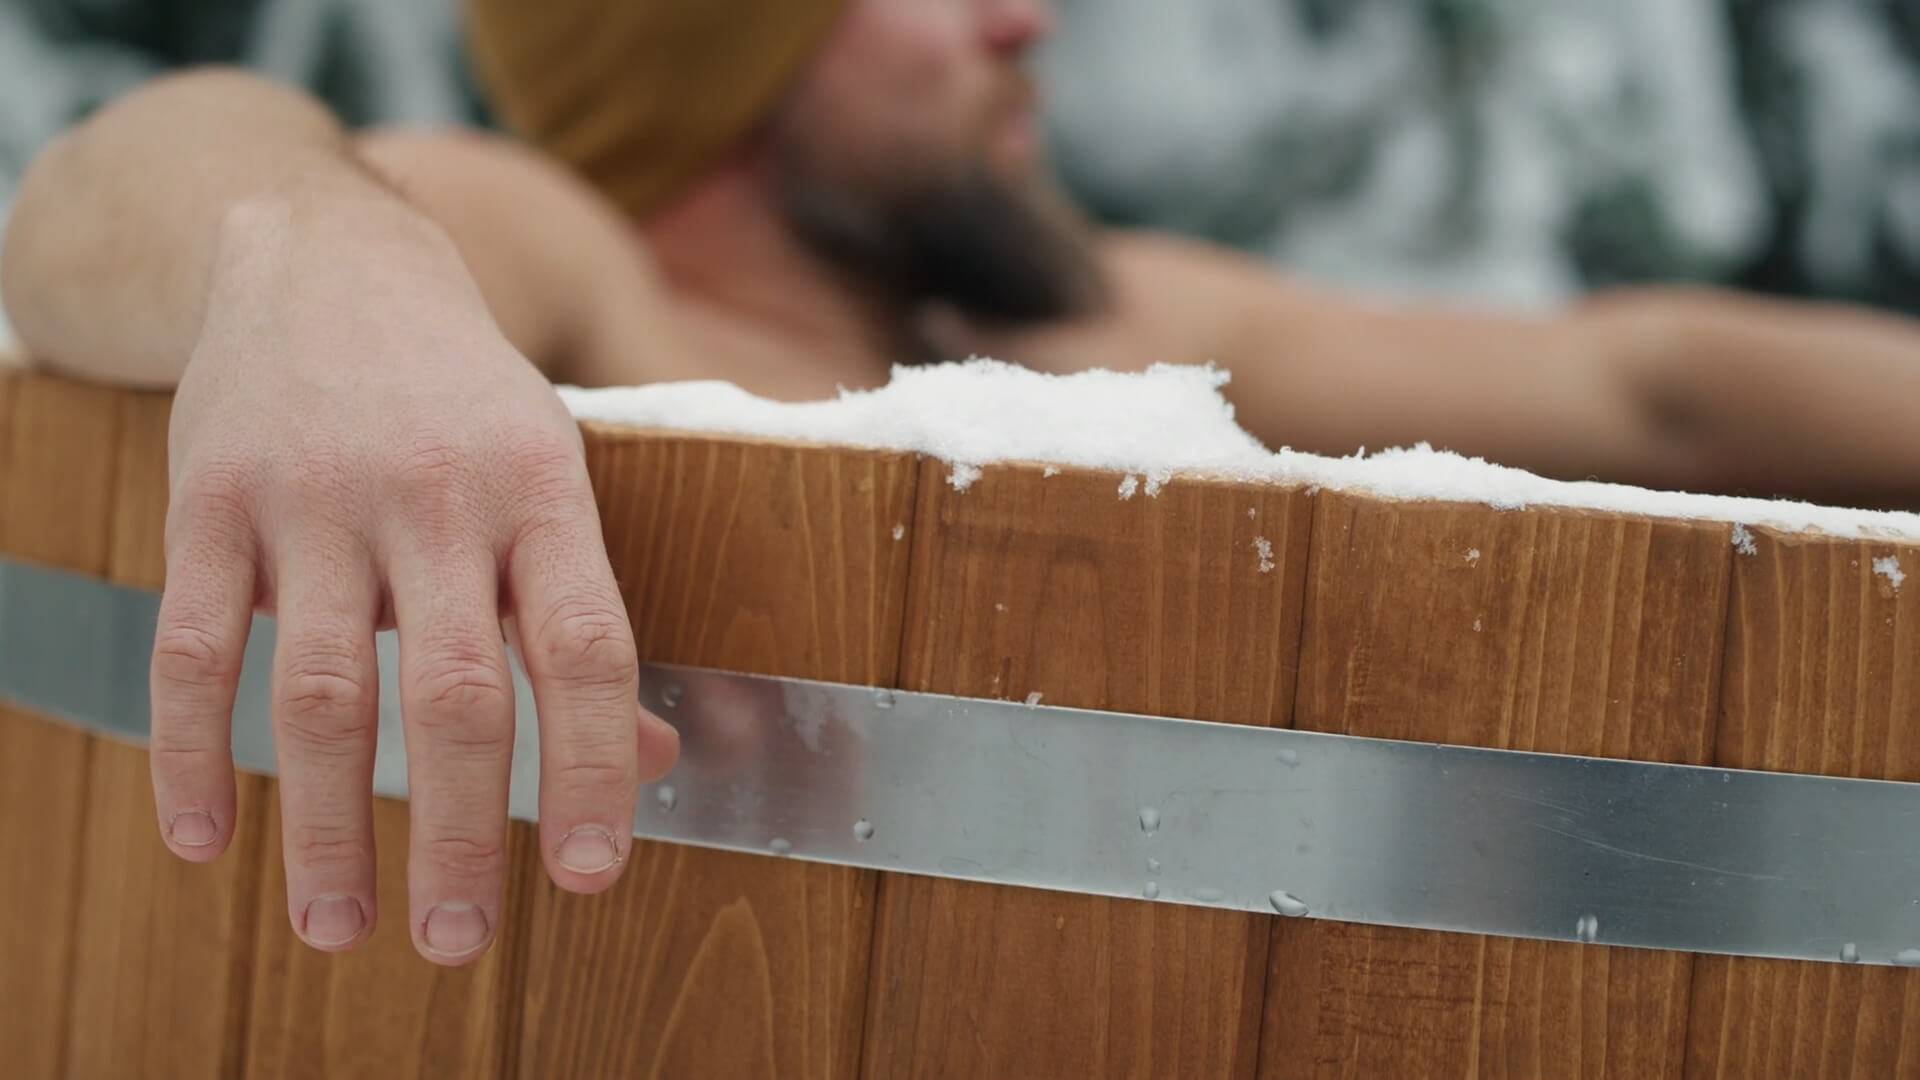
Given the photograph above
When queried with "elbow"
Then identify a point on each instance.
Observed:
(1662, 352)
(25, 251)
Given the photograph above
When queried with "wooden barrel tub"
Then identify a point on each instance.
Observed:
(1572, 631)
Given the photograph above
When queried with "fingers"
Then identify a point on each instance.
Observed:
(456, 695)
(199, 641)
(325, 717)
(595, 742)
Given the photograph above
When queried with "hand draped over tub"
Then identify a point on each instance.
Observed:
(789, 195)
(355, 445)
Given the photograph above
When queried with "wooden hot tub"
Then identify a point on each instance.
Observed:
(1556, 630)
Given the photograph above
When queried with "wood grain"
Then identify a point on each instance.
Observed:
(1162, 604)
(57, 456)
(1822, 676)
(756, 557)
(1547, 630)
(160, 983)
(382, 1010)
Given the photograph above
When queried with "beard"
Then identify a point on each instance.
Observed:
(1004, 252)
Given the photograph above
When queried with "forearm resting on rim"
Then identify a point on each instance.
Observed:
(120, 224)
(1815, 400)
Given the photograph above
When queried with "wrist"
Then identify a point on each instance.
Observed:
(342, 232)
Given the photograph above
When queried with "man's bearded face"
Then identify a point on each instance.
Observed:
(908, 160)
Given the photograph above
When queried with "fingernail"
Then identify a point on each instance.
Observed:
(191, 828)
(587, 849)
(333, 920)
(455, 929)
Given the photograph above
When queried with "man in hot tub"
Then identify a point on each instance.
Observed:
(794, 195)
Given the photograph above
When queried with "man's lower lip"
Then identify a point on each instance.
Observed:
(1019, 130)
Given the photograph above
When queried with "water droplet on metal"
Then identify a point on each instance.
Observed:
(671, 694)
(863, 829)
(1850, 953)
(668, 797)
(883, 698)
(1151, 890)
(1589, 928)
(1907, 958)
(1153, 866)
(1286, 903)
(1149, 819)
(1289, 757)
(1207, 896)
(780, 846)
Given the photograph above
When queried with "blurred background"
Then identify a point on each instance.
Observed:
(1501, 152)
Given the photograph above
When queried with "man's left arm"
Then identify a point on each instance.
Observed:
(1666, 387)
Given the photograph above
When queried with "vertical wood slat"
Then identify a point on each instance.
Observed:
(160, 981)
(1556, 631)
(57, 454)
(1026, 582)
(1822, 676)
(756, 557)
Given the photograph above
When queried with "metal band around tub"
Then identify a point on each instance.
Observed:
(1161, 810)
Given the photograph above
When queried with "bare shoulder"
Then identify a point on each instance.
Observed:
(1194, 298)
(1182, 263)
(555, 259)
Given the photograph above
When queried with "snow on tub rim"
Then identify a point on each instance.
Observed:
(1167, 421)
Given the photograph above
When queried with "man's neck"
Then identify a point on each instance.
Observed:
(724, 250)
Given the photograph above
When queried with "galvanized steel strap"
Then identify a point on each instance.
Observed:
(1160, 810)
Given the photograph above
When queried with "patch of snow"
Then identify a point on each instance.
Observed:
(963, 476)
(1889, 567)
(1264, 547)
(1129, 485)
(1168, 421)
(1743, 540)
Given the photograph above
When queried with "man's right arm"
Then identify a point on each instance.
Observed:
(95, 297)
(119, 223)
(357, 439)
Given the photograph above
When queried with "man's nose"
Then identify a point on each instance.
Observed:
(1013, 25)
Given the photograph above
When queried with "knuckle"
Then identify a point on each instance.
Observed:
(463, 685)
(464, 853)
(175, 753)
(434, 477)
(550, 474)
(587, 643)
(464, 734)
(432, 457)
(216, 494)
(599, 774)
(191, 658)
(542, 451)
(328, 847)
(433, 465)
(322, 476)
(326, 703)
